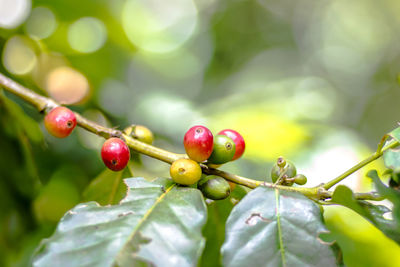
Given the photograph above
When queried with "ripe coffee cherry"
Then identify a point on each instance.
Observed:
(141, 133)
(115, 154)
(60, 122)
(288, 168)
(198, 142)
(214, 187)
(223, 150)
(238, 139)
(185, 171)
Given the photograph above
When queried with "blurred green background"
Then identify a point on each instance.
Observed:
(314, 81)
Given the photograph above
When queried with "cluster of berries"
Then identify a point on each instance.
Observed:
(61, 121)
(284, 172)
(202, 147)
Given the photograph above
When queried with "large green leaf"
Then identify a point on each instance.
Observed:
(275, 228)
(374, 213)
(157, 223)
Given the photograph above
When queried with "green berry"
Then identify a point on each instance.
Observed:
(214, 187)
(289, 169)
(141, 133)
(300, 179)
(223, 150)
(237, 139)
(281, 162)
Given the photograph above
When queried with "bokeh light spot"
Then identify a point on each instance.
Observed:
(87, 35)
(160, 112)
(114, 97)
(41, 23)
(18, 55)
(13, 12)
(67, 86)
(47, 61)
(267, 136)
(159, 26)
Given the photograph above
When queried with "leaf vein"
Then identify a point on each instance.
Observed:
(145, 216)
(278, 220)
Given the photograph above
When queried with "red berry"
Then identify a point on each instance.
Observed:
(60, 122)
(198, 142)
(237, 139)
(115, 154)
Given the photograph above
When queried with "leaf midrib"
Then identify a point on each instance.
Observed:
(278, 221)
(143, 219)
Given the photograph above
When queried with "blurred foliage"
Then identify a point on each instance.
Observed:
(362, 244)
(313, 81)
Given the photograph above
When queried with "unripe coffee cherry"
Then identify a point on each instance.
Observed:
(141, 133)
(300, 179)
(115, 154)
(185, 171)
(237, 139)
(223, 150)
(289, 169)
(198, 143)
(281, 162)
(60, 122)
(214, 187)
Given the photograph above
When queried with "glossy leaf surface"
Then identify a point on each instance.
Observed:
(157, 223)
(373, 213)
(392, 195)
(273, 228)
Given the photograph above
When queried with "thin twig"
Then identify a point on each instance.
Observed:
(44, 104)
(358, 166)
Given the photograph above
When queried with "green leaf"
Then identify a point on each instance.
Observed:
(276, 228)
(389, 193)
(23, 128)
(214, 231)
(373, 213)
(19, 121)
(157, 223)
(107, 188)
(395, 134)
(391, 157)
